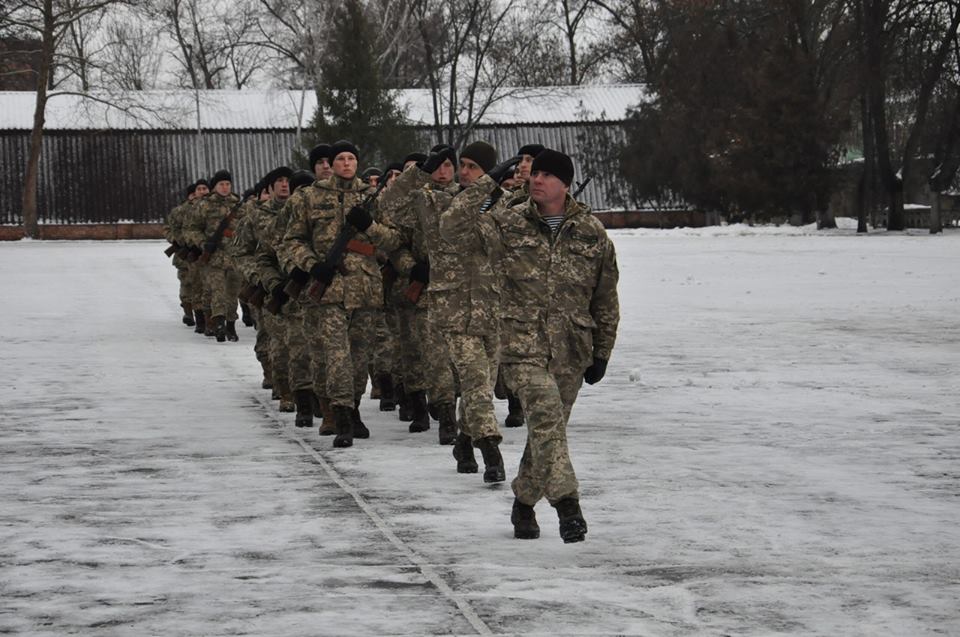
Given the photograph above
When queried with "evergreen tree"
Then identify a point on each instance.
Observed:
(352, 101)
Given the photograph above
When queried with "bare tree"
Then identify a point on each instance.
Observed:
(48, 21)
(463, 44)
(132, 55)
(214, 40)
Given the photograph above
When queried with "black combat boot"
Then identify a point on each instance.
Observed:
(463, 454)
(220, 328)
(492, 460)
(359, 429)
(403, 402)
(515, 417)
(421, 417)
(246, 316)
(231, 332)
(188, 319)
(304, 400)
(524, 520)
(388, 401)
(573, 527)
(344, 423)
(201, 323)
(447, 415)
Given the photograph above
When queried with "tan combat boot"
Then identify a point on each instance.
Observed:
(328, 426)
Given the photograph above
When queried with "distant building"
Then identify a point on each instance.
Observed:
(104, 165)
(19, 64)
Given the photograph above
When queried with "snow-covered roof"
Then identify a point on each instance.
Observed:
(280, 109)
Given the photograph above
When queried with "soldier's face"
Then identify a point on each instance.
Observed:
(523, 168)
(392, 177)
(345, 165)
(546, 188)
(444, 174)
(201, 191)
(322, 169)
(281, 189)
(373, 180)
(223, 188)
(470, 171)
(265, 194)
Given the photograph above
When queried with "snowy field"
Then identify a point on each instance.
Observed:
(775, 451)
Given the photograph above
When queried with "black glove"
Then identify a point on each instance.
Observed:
(420, 272)
(435, 160)
(596, 371)
(210, 246)
(279, 296)
(359, 218)
(299, 276)
(504, 169)
(323, 272)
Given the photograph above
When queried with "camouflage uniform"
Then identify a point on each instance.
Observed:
(426, 359)
(337, 323)
(243, 251)
(303, 362)
(467, 301)
(559, 310)
(172, 231)
(221, 280)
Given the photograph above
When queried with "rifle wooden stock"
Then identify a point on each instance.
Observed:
(413, 291)
(246, 292)
(257, 297)
(172, 249)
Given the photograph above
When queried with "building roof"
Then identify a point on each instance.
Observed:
(281, 109)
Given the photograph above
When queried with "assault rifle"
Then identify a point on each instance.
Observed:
(335, 254)
(580, 186)
(217, 236)
(172, 249)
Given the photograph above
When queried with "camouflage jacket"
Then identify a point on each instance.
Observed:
(243, 248)
(202, 223)
(559, 303)
(315, 216)
(464, 277)
(173, 228)
(269, 234)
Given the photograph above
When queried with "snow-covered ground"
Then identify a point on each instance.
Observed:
(775, 451)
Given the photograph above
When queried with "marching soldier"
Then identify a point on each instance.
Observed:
(559, 319)
(345, 292)
(213, 220)
(172, 231)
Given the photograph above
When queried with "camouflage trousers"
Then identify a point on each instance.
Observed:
(277, 354)
(300, 356)
(410, 330)
(224, 285)
(187, 285)
(475, 359)
(547, 398)
(339, 343)
(385, 344)
(441, 377)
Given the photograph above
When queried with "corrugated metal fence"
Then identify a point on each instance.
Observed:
(138, 176)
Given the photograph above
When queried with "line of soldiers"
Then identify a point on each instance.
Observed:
(441, 277)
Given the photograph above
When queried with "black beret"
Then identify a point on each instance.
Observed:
(220, 175)
(398, 166)
(531, 149)
(277, 173)
(302, 178)
(343, 146)
(482, 153)
(369, 172)
(192, 188)
(417, 157)
(201, 182)
(448, 151)
(555, 163)
(318, 152)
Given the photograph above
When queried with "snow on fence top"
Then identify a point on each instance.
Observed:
(281, 109)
